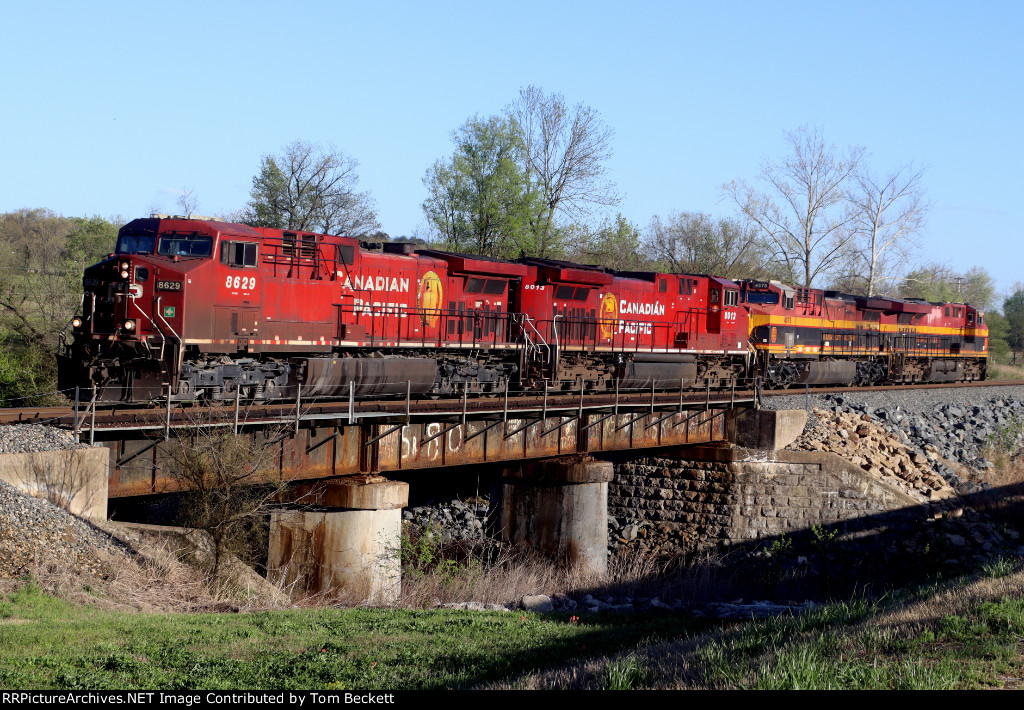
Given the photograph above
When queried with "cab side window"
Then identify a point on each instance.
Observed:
(239, 254)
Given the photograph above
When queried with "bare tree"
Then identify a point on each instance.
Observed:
(187, 201)
(888, 213)
(308, 187)
(39, 287)
(229, 483)
(565, 151)
(803, 212)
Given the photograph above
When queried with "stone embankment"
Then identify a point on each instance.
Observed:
(34, 531)
(930, 445)
(953, 428)
(451, 521)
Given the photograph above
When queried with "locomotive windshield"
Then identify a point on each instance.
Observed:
(765, 297)
(135, 244)
(185, 245)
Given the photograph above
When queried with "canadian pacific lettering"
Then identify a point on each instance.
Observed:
(641, 309)
(358, 282)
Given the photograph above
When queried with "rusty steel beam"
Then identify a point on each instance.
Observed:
(143, 466)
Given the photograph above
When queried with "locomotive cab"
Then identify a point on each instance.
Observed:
(128, 340)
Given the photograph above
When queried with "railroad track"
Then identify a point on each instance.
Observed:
(153, 416)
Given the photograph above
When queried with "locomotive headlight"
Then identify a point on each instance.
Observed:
(124, 273)
(76, 322)
(124, 266)
(129, 325)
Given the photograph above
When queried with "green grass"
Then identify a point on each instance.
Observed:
(49, 643)
(912, 639)
(628, 673)
(830, 650)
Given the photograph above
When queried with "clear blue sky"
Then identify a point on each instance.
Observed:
(112, 108)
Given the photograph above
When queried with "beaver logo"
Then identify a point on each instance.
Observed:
(608, 315)
(429, 299)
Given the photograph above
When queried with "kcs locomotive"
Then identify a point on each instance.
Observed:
(196, 309)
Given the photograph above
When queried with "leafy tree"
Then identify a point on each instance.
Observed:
(998, 330)
(617, 244)
(1013, 310)
(697, 243)
(480, 200)
(91, 239)
(803, 211)
(564, 153)
(42, 255)
(939, 283)
(307, 187)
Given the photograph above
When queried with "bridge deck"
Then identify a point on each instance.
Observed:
(319, 440)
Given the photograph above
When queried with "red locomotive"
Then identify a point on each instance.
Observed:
(214, 311)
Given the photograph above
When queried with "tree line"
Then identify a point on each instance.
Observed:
(533, 181)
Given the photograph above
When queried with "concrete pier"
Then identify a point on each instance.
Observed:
(764, 429)
(559, 507)
(340, 539)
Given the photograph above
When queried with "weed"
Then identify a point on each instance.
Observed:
(798, 668)
(823, 538)
(1007, 438)
(997, 567)
(781, 546)
(776, 557)
(626, 673)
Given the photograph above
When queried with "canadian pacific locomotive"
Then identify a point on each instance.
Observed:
(197, 309)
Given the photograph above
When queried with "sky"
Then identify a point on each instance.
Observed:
(115, 108)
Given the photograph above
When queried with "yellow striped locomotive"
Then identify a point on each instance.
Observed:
(815, 337)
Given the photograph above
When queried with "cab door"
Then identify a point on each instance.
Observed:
(733, 320)
(714, 308)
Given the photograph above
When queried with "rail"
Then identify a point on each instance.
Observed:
(567, 396)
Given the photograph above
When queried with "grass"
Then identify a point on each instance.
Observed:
(58, 644)
(1004, 449)
(961, 634)
(1006, 372)
(957, 634)
(73, 632)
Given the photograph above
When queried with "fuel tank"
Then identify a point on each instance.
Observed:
(829, 372)
(945, 371)
(330, 376)
(660, 375)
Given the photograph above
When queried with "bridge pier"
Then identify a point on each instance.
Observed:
(764, 429)
(343, 541)
(559, 507)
